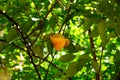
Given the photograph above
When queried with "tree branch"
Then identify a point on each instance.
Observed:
(23, 38)
(94, 54)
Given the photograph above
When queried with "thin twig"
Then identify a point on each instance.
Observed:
(66, 19)
(40, 25)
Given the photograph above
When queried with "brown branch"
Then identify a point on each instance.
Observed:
(92, 46)
(94, 54)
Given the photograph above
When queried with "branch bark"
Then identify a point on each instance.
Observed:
(94, 54)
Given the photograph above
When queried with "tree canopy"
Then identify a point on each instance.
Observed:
(59, 39)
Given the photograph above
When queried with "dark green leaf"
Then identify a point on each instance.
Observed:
(87, 24)
(38, 50)
(74, 67)
(112, 35)
(27, 26)
(95, 65)
(12, 34)
(53, 21)
(49, 46)
(102, 32)
(73, 48)
(94, 33)
(67, 58)
(85, 57)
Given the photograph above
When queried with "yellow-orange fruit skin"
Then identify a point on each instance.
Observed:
(58, 46)
(55, 38)
(67, 42)
(59, 41)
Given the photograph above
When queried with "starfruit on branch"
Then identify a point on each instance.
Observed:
(59, 41)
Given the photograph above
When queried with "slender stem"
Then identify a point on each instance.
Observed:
(66, 19)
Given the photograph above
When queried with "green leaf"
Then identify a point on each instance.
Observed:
(64, 78)
(58, 11)
(102, 32)
(1, 7)
(74, 67)
(117, 29)
(112, 35)
(27, 26)
(53, 21)
(49, 46)
(94, 32)
(38, 50)
(87, 24)
(84, 57)
(73, 48)
(12, 34)
(67, 58)
(95, 65)
(57, 75)
(2, 45)
(117, 57)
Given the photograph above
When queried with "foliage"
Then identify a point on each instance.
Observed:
(92, 26)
